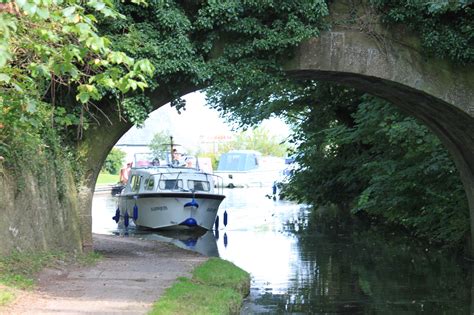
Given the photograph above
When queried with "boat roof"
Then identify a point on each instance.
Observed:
(243, 152)
(164, 168)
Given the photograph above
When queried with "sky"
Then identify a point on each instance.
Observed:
(196, 124)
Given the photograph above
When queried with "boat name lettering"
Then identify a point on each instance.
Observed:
(160, 208)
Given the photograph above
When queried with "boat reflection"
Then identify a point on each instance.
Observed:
(201, 241)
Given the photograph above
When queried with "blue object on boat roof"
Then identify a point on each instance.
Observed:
(290, 160)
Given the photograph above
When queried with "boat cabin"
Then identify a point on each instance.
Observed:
(153, 173)
(149, 181)
(239, 161)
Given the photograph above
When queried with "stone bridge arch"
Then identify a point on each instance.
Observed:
(389, 65)
(438, 93)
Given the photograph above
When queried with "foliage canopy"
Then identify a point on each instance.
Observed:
(54, 66)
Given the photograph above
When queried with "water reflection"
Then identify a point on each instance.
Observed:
(299, 265)
(363, 272)
(203, 242)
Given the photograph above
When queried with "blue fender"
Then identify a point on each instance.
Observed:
(126, 219)
(225, 218)
(116, 217)
(135, 213)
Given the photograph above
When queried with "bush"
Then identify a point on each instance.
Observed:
(114, 161)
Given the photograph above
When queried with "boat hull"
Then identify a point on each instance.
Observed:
(172, 210)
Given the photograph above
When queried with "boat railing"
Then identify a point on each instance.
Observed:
(217, 181)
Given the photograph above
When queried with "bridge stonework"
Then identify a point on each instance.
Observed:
(439, 94)
(387, 63)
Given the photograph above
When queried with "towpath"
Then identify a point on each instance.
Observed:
(132, 275)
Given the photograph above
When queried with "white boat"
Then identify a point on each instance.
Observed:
(248, 168)
(164, 195)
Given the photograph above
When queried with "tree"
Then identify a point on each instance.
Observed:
(160, 142)
(259, 139)
(114, 161)
(54, 66)
(379, 163)
(215, 43)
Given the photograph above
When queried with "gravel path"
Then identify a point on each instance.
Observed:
(132, 275)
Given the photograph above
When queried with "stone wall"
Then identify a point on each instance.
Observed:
(34, 215)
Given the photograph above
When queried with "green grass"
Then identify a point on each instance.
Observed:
(89, 259)
(107, 179)
(223, 273)
(6, 296)
(217, 287)
(18, 270)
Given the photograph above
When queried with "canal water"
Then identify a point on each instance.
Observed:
(300, 266)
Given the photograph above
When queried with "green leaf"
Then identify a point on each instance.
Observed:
(83, 97)
(4, 78)
(69, 11)
(144, 66)
(20, 3)
(43, 13)
(31, 106)
(30, 8)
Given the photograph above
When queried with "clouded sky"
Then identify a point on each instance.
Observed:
(196, 123)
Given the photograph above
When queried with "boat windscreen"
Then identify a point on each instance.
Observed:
(237, 162)
(149, 159)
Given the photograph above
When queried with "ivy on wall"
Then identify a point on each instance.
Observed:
(446, 28)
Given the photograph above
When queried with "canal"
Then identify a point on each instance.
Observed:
(301, 266)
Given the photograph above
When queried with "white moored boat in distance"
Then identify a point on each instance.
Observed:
(160, 194)
(248, 168)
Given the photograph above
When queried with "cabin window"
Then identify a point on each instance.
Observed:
(149, 183)
(135, 183)
(168, 184)
(198, 185)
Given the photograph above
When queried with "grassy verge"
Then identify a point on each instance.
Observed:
(6, 295)
(18, 270)
(107, 179)
(216, 287)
